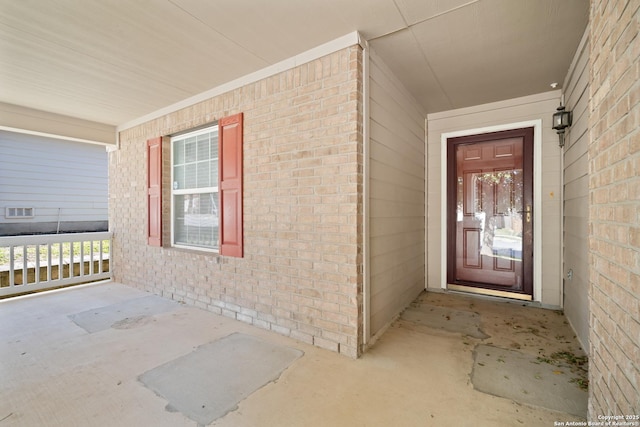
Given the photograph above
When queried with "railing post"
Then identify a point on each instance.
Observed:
(71, 259)
(102, 254)
(60, 262)
(82, 258)
(91, 258)
(37, 271)
(11, 267)
(49, 267)
(25, 276)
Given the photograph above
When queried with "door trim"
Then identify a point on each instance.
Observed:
(537, 196)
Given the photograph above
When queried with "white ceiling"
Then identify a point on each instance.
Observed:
(113, 61)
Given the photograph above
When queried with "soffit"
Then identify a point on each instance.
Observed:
(113, 61)
(486, 51)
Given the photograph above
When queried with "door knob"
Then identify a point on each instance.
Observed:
(527, 213)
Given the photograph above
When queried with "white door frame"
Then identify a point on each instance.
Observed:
(537, 196)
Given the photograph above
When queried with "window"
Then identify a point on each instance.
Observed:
(206, 189)
(19, 213)
(194, 191)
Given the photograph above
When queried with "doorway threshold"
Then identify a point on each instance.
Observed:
(489, 292)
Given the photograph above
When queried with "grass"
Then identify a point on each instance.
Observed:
(56, 248)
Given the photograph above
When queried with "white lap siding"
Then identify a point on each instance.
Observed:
(397, 197)
(64, 182)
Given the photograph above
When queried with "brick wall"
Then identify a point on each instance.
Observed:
(614, 166)
(301, 275)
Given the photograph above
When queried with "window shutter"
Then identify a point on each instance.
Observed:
(154, 191)
(230, 185)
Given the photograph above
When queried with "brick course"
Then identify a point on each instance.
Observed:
(301, 275)
(614, 160)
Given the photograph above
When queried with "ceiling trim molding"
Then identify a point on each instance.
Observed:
(340, 43)
(498, 105)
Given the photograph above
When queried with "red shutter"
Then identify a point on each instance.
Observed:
(154, 191)
(230, 185)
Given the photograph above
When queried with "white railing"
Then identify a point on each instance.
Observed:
(36, 262)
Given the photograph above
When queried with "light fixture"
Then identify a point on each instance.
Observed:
(561, 120)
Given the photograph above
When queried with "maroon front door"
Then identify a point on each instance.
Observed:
(490, 217)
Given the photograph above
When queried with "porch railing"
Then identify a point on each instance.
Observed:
(37, 262)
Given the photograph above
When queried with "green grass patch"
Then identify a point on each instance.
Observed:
(65, 248)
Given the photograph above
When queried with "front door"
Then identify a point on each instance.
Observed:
(490, 217)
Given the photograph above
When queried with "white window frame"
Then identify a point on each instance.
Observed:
(203, 190)
(19, 212)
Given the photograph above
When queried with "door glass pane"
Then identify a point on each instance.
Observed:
(501, 235)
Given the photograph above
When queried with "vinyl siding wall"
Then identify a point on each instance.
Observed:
(529, 108)
(397, 198)
(62, 180)
(576, 197)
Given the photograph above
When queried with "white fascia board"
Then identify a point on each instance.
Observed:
(19, 119)
(56, 136)
(343, 42)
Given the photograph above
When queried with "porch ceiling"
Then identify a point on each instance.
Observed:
(112, 61)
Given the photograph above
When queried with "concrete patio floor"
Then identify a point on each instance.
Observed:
(82, 357)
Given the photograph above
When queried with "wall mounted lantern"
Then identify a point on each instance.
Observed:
(561, 120)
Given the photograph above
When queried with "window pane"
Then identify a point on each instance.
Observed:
(214, 143)
(214, 173)
(203, 146)
(196, 220)
(178, 152)
(190, 175)
(178, 177)
(190, 150)
(204, 174)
